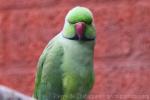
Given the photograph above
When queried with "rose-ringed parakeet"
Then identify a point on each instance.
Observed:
(65, 68)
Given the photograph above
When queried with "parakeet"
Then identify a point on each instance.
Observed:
(65, 68)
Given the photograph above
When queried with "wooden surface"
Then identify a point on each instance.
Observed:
(9, 94)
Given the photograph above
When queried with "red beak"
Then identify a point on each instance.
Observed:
(80, 29)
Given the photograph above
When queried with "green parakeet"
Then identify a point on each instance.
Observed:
(65, 68)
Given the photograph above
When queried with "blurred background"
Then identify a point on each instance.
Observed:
(122, 52)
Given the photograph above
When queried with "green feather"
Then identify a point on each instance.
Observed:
(90, 32)
(79, 14)
(69, 30)
(65, 68)
(78, 68)
(48, 78)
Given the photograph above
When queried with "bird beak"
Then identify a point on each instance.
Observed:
(80, 29)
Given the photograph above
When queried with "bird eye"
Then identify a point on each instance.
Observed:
(89, 22)
(71, 22)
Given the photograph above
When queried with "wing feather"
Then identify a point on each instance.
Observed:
(40, 65)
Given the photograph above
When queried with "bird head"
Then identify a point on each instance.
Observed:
(79, 24)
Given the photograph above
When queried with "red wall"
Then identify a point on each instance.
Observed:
(122, 52)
